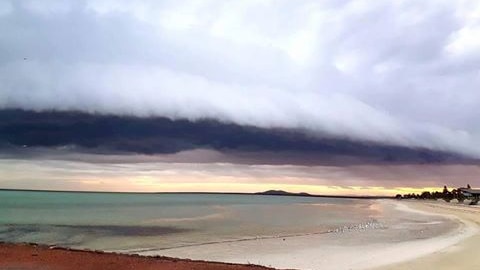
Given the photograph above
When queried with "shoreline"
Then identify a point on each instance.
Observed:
(352, 249)
(462, 254)
(297, 252)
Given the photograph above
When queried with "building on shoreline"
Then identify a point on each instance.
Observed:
(469, 192)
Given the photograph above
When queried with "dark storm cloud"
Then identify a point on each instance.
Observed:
(401, 73)
(237, 144)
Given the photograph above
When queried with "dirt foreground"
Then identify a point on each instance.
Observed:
(39, 257)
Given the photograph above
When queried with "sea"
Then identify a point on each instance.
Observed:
(128, 222)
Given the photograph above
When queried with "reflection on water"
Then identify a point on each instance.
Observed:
(143, 221)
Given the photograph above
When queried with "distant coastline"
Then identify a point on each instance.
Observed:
(264, 193)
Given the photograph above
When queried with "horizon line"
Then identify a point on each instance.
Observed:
(261, 193)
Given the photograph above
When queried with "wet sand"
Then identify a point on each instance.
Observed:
(38, 257)
(460, 255)
(401, 233)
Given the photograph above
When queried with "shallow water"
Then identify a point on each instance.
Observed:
(136, 222)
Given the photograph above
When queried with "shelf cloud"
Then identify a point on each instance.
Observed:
(402, 73)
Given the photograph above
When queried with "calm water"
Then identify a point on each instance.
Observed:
(133, 222)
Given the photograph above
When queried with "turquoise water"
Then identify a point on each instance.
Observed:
(130, 222)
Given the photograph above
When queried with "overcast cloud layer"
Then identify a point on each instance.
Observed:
(398, 72)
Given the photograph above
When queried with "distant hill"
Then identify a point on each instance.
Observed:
(304, 194)
(281, 192)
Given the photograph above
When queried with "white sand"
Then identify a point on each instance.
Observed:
(462, 255)
(349, 250)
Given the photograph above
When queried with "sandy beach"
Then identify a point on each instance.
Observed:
(460, 255)
(423, 244)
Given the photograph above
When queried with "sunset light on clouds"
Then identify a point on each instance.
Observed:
(225, 177)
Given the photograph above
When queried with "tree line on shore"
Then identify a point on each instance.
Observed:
(446, 195)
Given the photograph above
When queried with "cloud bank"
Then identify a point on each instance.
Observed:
(403, 73)
(23, 131)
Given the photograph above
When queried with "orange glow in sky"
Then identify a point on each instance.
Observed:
(190, 177)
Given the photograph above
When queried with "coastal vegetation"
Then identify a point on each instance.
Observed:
(458, 194)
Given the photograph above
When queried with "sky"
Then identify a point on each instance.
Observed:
(402, 74)
(167, 175)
